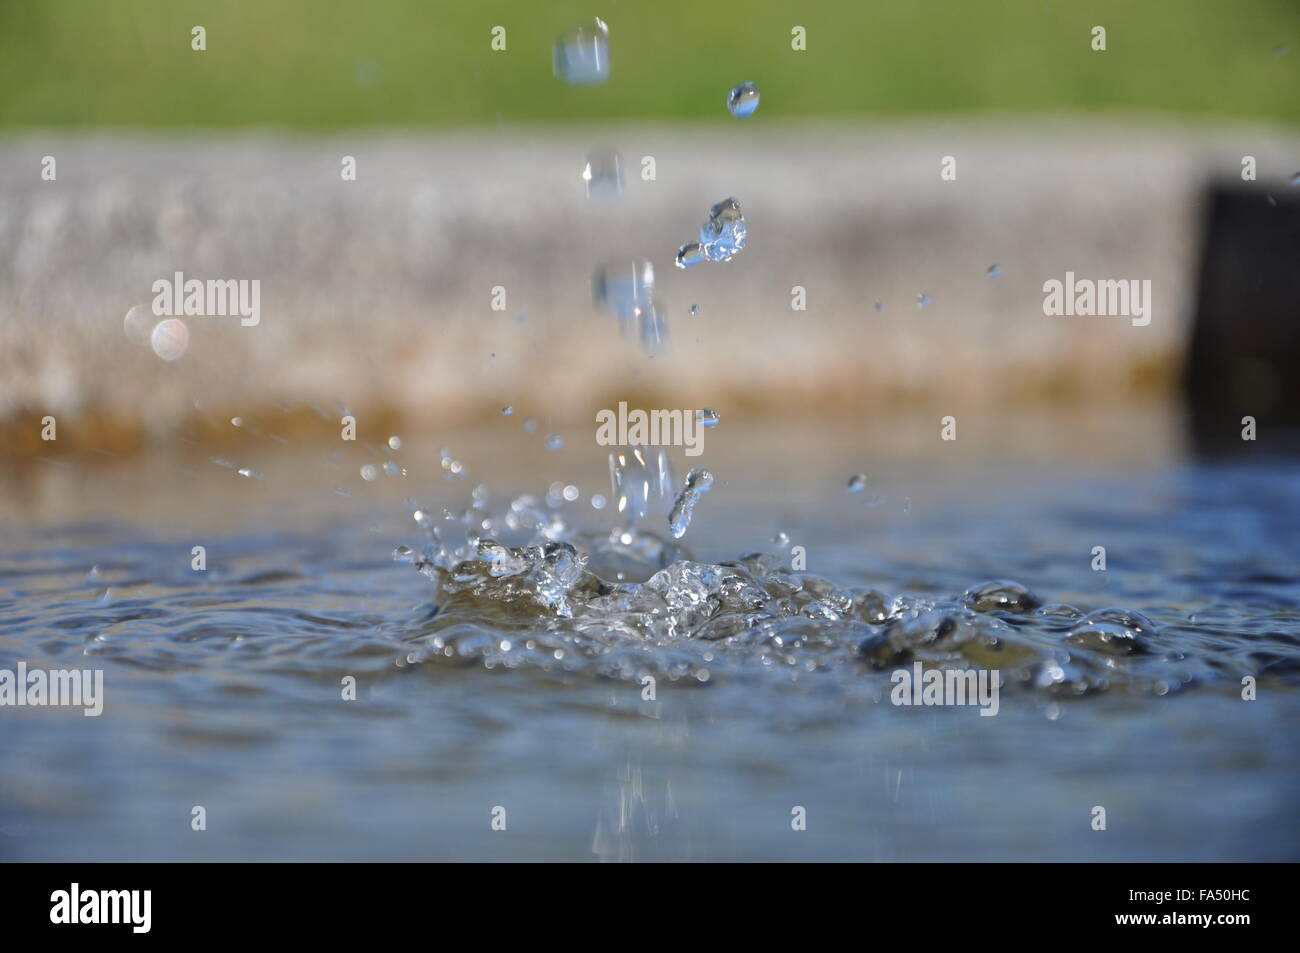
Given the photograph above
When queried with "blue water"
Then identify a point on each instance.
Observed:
(223, 689)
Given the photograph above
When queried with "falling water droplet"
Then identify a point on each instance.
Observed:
(695, 309)
(138, 324)
(781, 539)
(581, 56)
(530, 425)
(170, 339)
(708, 417)
(994, 271)
(922, 301)
(880, 306)
(723, 236)
(857, 483)
(698, 482)
(554, 442)
(603, 175)
(507, 410)
(369, 472)
(743, 100)
(689, 254)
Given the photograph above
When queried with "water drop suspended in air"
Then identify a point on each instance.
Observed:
(170, 339)
(603, 175)
(581, 56)
(698, 482)
(857, 483)
(138, 324)
(723, 236)
(689, 254)
(742, 101)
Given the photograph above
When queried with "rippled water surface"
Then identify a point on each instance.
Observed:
(504, 664)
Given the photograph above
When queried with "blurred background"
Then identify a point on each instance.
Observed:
(377, 293)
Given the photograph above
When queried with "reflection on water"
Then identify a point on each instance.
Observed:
(517, 678)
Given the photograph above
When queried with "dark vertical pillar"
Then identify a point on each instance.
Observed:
(1244, 358)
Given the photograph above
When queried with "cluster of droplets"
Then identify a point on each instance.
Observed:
(627, 602)
(722, 236)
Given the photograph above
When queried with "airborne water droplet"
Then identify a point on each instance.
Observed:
(603, 175)
(581, 56)
(994, 271)
(170, 339)
(723, 236)
(698, 482)
(689, 254)
(857, 483)
(922, 301)
(708, 417)
(743, 100)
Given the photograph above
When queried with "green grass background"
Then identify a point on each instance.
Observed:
(333, 63)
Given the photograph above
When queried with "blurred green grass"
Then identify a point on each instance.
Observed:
(337, 63)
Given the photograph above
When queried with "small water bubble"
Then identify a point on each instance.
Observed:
(603, 176)
(507, 410)
(138, 324)
(403, 554)
(170, 339)
(689, 254)
(993, 271)
(922, 301)
(743, 100)
(530, 425)
(392, 469)
(554, 442)
(395, 443)
(695, 309)
(570, 492)
(698, 482)
(781, 539)
(723, 236)
(708, 417)
(597, 501)
(451, 467)
(581, 56)
(237, 421)
(857, 483)
(369, 472)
